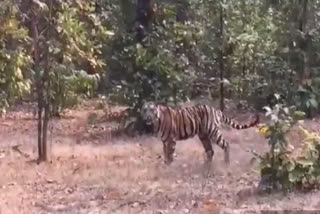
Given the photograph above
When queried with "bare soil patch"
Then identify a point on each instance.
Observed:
(91, 173)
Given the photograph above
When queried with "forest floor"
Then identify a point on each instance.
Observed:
(91, 173)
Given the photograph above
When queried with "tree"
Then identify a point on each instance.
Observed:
(144, 13)
(221, 54)
(61, 49)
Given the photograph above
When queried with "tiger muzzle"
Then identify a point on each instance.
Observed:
(149, 120)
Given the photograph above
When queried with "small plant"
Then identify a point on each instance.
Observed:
(276, 164)
(281, 168)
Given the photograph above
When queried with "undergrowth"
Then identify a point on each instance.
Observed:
(284, 167)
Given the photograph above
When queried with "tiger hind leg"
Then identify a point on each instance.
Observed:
(168, 150)
(216, 137)
(206, 143)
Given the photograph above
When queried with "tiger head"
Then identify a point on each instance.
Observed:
(150, 112)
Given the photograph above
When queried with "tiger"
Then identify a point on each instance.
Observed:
(172, 124)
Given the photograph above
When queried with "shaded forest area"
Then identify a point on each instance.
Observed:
(91, 65)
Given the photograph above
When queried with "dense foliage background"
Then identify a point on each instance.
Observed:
(61, 51)
(91, 47)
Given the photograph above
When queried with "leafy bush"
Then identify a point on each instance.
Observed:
(307, 99)
(307, 170)
(294, 170)
(163, 68)
(276, 165)
(282, 168)
(68, 86)
(14, 60)
(149, 72)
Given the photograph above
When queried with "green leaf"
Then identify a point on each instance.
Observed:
(285, 50)
(295, 176)
(267, 109)
(109, 33)
(298, 115)
(305, 162)
(290, 166)
(313, 103)
(41, 5)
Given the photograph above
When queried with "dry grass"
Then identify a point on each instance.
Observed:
(128, 176)
(113, 174)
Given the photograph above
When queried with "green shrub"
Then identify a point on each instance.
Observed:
(277, 167)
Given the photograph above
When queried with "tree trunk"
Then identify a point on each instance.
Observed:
(39, 85)
(42, 83)
(128, 13)
(144, 13)
(181, 17)
(182, 9)
(46, 152)
(46, 83)
(221, 63)
(304, 43)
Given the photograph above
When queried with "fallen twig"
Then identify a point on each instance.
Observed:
(16, 148)
(255, 153)
(130, 203)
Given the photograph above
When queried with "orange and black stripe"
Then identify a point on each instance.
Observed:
(182, 123)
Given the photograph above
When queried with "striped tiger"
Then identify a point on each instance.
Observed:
(172, 124)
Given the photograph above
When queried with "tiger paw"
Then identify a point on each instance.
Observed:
(168, 161)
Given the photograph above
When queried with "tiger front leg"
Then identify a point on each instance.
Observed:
(207, 147)
(168, 150)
